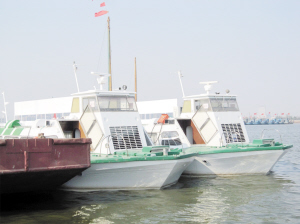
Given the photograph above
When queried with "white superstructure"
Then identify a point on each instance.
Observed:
(122, 155)
(211, 125)
(210, 119)
(154, 108)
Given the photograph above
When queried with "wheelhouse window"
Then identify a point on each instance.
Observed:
(202, 105)
(220, 104)
(117, 103)
(217, 104)
(92, 102)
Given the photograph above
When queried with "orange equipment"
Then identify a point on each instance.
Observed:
(163, 118)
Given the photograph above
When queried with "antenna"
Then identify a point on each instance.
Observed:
(180, 75)
(5, 103)
(101, 79)
(208, 86)
(75, 69)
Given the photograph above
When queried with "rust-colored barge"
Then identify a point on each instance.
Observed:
(41, 164)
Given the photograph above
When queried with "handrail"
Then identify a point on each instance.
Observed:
(111, 139)
(262, 133)
(101, 141)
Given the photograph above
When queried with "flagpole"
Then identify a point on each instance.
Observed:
(109, 57)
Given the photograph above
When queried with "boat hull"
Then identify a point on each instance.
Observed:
(36, 181)
(41, 164)
(234, 163)
(130, 175)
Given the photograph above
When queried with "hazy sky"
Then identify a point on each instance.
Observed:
(250, 47)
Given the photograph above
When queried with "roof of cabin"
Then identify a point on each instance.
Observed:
(103, 93)
(201, 96)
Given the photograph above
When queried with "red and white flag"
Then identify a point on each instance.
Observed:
(255, 113)
(282, 113)
(101, 13)
(102, 4)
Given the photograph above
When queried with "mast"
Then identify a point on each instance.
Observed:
(135, 79)
(109, 57)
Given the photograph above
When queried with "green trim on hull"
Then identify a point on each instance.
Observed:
(17, 132)
(8, 131)
(12, 127)
(202, 150)
(11, 131)
(139, 155)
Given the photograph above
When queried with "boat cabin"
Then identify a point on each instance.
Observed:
(109, 118)
(206, 119)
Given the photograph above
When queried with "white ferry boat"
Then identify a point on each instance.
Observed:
(122, 156)
(212, 126)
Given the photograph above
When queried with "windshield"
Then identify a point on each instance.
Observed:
(117, 103)
(217, 104)
(224, 104)
(92, 102)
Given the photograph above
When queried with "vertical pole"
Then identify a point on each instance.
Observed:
(135, 79)
(180, 75)
(75, 69)
(5, 103)
(109, 57)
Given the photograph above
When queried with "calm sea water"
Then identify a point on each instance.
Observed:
(273, 198)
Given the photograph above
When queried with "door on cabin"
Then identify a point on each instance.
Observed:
(91, 127)
(204, 125)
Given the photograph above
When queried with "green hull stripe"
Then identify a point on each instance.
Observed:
(8, 131)
(146, 153)
(18, 131)
(11, 131)
(202, 150)
(96, 158)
